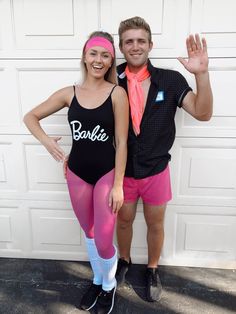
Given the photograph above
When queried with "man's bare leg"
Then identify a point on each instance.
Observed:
(154, 216)
(125, 219)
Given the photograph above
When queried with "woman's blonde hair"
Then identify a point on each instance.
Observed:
(111, 75)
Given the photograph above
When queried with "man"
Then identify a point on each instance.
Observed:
(154, 95)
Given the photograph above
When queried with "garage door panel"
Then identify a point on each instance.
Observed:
(8, 179)
(203, 171)
(221, 36)
(12, 239)
(48, 77)
(204, 236)
(56, 232)
(37, 28)
(43, 172)
(165, 35)
(9, 109)
(223, 121)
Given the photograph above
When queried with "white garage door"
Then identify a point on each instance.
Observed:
(40, 47)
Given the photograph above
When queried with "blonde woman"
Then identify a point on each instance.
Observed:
(98, 118)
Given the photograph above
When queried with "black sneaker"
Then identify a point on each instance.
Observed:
(105, 301)
(122, 269)
(89, 299)
(154, 287)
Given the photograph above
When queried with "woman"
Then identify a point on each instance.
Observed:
(98, 117)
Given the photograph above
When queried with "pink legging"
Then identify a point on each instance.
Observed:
(90, 204)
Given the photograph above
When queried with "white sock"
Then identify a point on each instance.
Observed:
(94, 261)
(108, 267)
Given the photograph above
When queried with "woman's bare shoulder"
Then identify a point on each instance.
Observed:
(119, 92)
(66, 94)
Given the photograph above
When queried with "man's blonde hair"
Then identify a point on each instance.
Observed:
(135, 22)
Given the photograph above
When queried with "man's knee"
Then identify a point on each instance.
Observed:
(154, 215)
(126, 216)
(155, 226)
(124, 222)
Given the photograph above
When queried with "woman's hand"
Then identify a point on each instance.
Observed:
(50, 143)
(116, 198)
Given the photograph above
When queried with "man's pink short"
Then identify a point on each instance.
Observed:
(154, 190)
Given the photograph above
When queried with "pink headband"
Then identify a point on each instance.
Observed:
(101, 42)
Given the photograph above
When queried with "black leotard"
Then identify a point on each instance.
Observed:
(92, 154)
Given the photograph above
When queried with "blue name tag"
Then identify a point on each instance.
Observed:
(160, 96)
